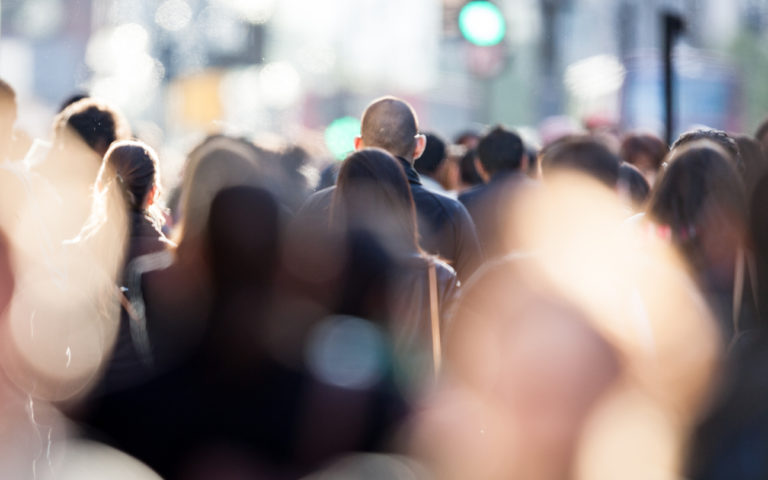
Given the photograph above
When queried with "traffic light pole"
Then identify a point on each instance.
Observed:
(673, 27)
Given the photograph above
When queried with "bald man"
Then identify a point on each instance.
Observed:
(445, 227)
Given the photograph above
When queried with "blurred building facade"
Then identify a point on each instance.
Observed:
(290, 66)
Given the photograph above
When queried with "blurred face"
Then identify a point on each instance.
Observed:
(7, 121)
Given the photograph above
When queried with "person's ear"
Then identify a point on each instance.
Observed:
(359, 143)
(421, 145)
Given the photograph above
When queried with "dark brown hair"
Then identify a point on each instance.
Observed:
(633, 145)
(372, 193)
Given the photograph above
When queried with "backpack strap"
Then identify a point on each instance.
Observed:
(434, 319)
(132, 299)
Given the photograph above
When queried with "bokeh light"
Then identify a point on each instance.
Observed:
(173, 15)
(254, 11)
(346, 352)
(482, 23)
(280, 84)
(595, 76)
(340, 136)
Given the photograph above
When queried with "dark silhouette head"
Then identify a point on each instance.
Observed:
(433, 156)
(243, 236)
(583, 154)
(719, 137)
(467, 170)
(500, 150)
(372, 193)
(96, 123)
(633, 184)
(390, 123)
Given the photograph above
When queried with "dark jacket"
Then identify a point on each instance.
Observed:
(489, 206)
(411, 322)
(126, 366)
(445, 227)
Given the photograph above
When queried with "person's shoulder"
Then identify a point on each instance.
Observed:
(323, 192)
(444, 200)
(320, 195)
(467, 196)
(318, 200)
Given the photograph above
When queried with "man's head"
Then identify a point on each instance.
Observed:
(501, 150)
(390, 123)
(96, 123)
(433, 157)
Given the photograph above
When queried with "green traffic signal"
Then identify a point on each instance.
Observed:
(340, 136)
(482, 23)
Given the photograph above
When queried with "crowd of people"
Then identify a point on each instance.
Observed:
(485, 308)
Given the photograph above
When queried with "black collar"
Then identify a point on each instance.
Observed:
(410, 172)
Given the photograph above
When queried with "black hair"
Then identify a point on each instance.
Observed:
(500, 150)
(433, 156)
(467, 168)
(97, 124)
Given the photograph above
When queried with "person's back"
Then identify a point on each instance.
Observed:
(444, 224)
(373, 195)
(122, 228)
(502, 160)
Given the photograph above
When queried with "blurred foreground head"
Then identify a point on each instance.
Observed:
(582, 154)
(243, 236)
(391, 124)
(219, 162)
(567, 362)
(633, 186)
(8, 112)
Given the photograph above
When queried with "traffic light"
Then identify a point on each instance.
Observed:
(482, 23)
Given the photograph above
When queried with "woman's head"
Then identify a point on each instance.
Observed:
(128, 181)
(700, 196)
(134, 167)
(372, 193)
